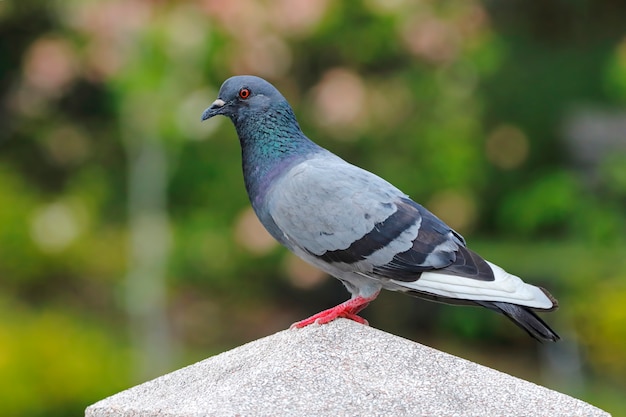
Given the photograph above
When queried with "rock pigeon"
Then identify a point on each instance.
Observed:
(356, 226)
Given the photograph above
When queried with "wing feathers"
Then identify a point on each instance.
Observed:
(505, 288)
(379, 237)
(470, 265)
(324, 205)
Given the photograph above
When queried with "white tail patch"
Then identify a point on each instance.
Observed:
(505, 287)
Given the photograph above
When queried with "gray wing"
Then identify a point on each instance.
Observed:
(342, 214)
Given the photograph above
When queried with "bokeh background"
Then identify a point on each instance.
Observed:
(127, 244)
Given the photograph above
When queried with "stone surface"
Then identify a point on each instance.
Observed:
(338, 369)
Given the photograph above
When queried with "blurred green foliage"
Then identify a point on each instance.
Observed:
(485, 112)
(52, 359)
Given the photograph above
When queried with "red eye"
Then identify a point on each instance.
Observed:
(244, 93)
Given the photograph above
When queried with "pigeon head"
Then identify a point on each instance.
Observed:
(245, 96)
(271, 139)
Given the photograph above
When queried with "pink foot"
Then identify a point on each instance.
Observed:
(348, 310)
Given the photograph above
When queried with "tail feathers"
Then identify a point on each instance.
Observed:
(555, 303)
(524, 318)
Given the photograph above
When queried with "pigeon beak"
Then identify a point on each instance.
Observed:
(214, 110)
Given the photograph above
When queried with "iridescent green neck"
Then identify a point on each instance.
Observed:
(271, 142)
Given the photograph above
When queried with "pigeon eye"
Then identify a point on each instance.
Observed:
(244, 93)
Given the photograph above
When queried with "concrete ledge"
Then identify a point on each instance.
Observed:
(339, 369)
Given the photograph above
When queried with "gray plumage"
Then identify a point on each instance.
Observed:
(356, 226)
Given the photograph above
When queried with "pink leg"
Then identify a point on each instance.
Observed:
(348, 310)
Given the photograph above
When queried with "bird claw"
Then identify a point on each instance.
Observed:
(328, 319)
(348, 310)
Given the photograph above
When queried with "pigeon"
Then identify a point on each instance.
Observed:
(356, 226)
